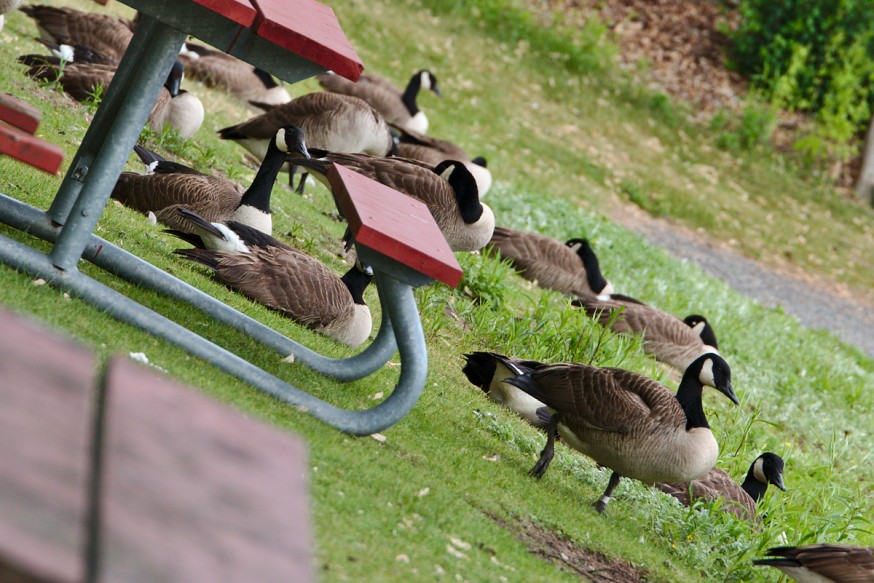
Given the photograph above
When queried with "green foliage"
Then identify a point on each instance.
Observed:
(810, 55)
(581, 50)
(750, 132)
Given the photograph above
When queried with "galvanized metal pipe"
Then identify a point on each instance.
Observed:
(108, 144)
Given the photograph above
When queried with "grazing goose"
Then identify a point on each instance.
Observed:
(337, 123)
(175, 107)
(625, 421)
(665, 336)
(283, 278)
(740, 500)
(169, 186)
(432, 151)
(448, 190)
(242, 80)
(108, 35)
(398, 108)
(823, 563)
(487, 371)
(565, 267)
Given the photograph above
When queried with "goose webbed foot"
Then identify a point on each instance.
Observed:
(601, 504)
(548, 451)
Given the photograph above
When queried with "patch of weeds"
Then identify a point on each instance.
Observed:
(95, 98)
(752, 131)
(663, 109)
(485, 278)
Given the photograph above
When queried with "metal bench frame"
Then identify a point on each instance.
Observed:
(70, 221)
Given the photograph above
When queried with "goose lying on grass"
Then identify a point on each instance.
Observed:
(665, 336)
(279, 276)
(169, 186)
(568, 267)
(738, 499)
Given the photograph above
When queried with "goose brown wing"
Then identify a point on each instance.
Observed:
(608, 399)
(287, 280)
(843, 563)
(153, 192)
(552, 263)
(448, 149)
(714, 485)
(107, 34)
(406, 176)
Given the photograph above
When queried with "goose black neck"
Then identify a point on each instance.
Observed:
(689, 396)
(356, 281)
(410, 93)
(593, 270)
(466, 194)
(266, 78)
(754, 487)
(258, 193)
(708, 336)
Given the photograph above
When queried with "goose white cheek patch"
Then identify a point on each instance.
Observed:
(759, 471)
(706, 376)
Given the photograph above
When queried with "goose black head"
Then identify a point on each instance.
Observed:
(464, 185)
(587, 255)
(702, 327)
(711, 370)
(174, 79)
(427, 80)
(291, 140)
(768, 469)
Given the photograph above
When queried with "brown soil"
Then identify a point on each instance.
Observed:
(589, 565)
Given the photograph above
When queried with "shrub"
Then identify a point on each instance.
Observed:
(811, 55)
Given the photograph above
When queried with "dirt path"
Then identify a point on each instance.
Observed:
(815, 304)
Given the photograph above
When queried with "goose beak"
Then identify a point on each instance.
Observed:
(778, 481)
(728, 391)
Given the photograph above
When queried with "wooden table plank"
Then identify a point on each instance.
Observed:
(194, 491)
(30, 150)
(310, 29)
(45, 425)
(394, 224)
(19, 114)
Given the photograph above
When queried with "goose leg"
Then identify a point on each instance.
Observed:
(601, 504)
(548, 450)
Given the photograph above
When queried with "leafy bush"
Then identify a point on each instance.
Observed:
(811, 55)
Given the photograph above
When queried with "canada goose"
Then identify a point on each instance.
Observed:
(337, 123)
(105, 34)
(628, 422)
(175, 107)
(398, 108)
(823, 563)
(487, 371)
(433, 151)
(740, 500)
(665, 336)
(170, 186)
(281, 277)
(565, 267)
(448, 190)
(244, 81)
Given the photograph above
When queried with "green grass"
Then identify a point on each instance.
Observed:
(571, 144)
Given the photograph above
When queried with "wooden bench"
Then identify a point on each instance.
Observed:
(292, 39)
(125, 503)
(17, 138)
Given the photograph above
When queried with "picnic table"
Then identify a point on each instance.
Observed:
(293, 40)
